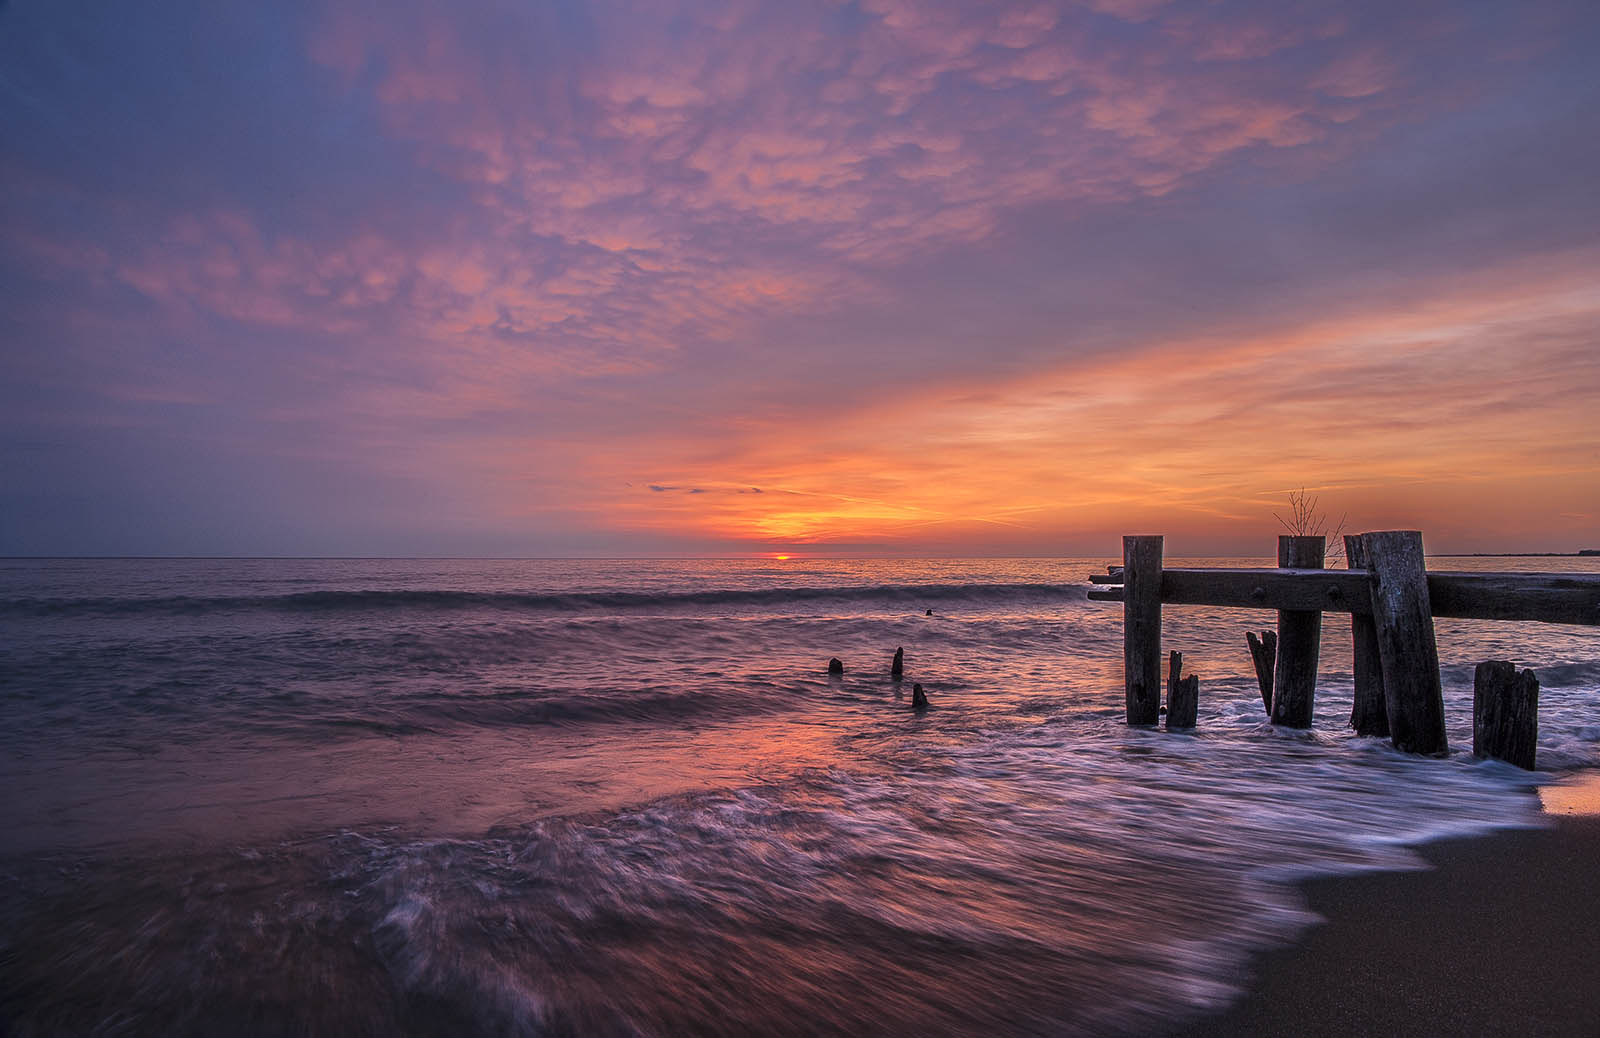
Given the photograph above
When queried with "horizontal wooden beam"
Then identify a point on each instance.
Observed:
(1562, 598)
(1314, 590)
(1556, 598)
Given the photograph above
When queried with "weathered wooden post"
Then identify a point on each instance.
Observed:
(1367, 713)
(1505, 713)
(1183, 695)
(1294, 681)
(1264, 654)
(1408, 654)
(1141, 627)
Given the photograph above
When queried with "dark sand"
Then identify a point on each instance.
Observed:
(1501, 937)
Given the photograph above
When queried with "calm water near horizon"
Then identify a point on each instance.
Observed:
(624, 797)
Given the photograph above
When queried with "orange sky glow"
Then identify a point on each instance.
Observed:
(737, 278)
(1453, 412)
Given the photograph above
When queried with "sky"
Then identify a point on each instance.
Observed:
(555, 278)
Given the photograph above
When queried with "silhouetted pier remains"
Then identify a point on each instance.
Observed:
(1505, 712)
(1369, 715)
(1294, 677)
(1392, 600)
(1264, 653)
(1183, 695)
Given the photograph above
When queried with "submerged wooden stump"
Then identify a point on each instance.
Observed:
(898, 667)
(1505, 713)
(1368, 715)
(1141, 627)
(1412, 695)
(1294, 681)
(835, 665)
(919, 698)
(1264, 653)
(1183, 695)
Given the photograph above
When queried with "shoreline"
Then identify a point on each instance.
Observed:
(1498, 936)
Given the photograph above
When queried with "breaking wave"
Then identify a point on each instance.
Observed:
(419, 600)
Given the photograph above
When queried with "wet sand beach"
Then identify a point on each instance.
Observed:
(1500, 936)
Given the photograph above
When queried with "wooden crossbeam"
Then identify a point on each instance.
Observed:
(1563, 598)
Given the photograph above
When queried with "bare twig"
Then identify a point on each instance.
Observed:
(1305, 519)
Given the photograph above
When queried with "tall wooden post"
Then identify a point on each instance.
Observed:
(1368, 716)
(1412, 696)
(1294, 680)
(1141, 627)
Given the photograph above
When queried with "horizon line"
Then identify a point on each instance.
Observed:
(767, 556)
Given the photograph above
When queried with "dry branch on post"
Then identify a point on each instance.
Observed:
(1307, 520)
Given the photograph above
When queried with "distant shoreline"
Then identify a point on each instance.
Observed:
(1587, 553)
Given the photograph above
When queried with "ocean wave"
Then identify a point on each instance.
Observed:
(183, 717)
(818, 903)
(543, 708)
(916, 595)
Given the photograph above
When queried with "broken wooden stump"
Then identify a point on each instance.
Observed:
(898, 667)
(1505, 713)
(1183, 695)
(835, 666)
(1294, 678)
(1368, 715)
(919, 698)
(1264, 652)
(1407, 652)
(1141, 627)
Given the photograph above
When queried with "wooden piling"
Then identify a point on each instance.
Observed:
(1294, 682)
(1407, 652)
(1368, 716)
(1141, 627)
(1183, 695)
(1174, 675)
(1505, 713)
(897, 666)
(1264, 653)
